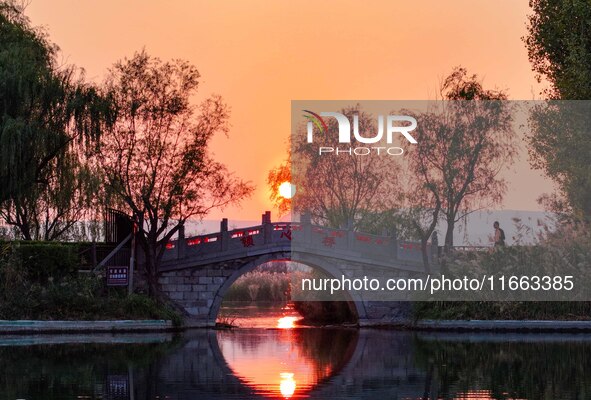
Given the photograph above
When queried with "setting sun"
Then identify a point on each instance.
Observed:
(287, 190)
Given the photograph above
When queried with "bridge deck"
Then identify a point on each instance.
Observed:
(296, 239)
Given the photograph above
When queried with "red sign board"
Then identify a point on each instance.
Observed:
(118, 276)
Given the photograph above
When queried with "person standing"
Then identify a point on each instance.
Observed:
(499, 235)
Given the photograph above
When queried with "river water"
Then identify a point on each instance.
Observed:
(258, 363)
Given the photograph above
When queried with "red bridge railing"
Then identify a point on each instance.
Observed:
(322, 239)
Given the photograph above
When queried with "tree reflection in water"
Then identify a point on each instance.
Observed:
(286, 362)
(79, 370)
(504, 367)
(295, 363)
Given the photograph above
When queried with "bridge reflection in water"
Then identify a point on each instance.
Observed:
(286, 362)
(273, 363)
(301, 363)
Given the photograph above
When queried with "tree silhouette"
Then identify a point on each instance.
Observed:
(339, 189)
(155, 156)
(49, 117)
(559, 48)
(463, 144)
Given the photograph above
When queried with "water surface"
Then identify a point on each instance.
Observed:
(258, 315)
(312, 363)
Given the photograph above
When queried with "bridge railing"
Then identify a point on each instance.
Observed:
(473, 248)
(225, 240)
(347, 240)
(324, 239)
(214, 243)
(411, 251)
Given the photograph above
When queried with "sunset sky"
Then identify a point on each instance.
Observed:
(260, 55)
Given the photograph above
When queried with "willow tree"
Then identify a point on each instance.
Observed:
(49, 117)
(155, 157)
(559, 49)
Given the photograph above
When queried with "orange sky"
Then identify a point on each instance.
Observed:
(259, 55)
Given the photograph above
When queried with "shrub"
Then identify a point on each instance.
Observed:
(69, 297)
(567, 251)
(40, 261)
(79, 298)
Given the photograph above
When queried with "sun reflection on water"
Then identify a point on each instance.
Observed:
(283, 362)
(287, 386)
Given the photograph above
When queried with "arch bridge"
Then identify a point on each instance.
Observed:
(196, 272)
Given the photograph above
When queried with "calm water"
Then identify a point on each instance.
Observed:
(297, 363)
(261, 315)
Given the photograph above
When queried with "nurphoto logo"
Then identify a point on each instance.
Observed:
(392, 127)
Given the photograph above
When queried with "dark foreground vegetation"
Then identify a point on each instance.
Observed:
(566, 251)
(41, 281)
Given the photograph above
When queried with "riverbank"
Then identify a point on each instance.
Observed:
(103, 338)
(147, 326)
(502, 310)
(29, 326)
(539, 326)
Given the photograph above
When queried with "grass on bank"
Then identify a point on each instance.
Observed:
(564, 252)
(502, 310)
(80, 298)
(41, 282)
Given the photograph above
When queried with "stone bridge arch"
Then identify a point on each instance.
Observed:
(201, 290)
(197, 271)
(326, 267)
